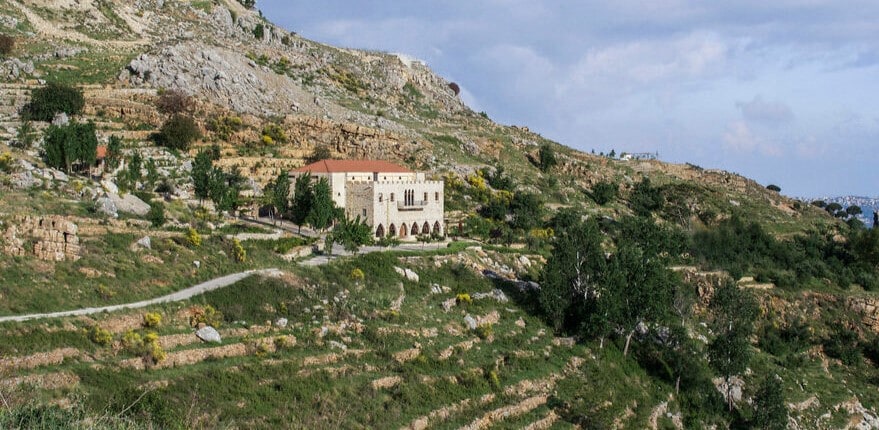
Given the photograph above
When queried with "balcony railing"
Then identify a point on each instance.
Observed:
(417, 205)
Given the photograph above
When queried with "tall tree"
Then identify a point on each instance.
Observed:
(69, 145)
(303, 199)
(770, 412)
(729, 353)
(323, 210)
(546, 158)
(527, 210)
(638, 289)
(321, 152)
(572, 274)
(225, 188)
(281, 194)
(201, 174)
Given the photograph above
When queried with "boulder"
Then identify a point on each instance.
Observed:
(407, 273)
(281, 322)
(470, 322)
(130, 203)
(145, 242)
(106, 206)
(25, 180)
(209, 334)
(61, 119)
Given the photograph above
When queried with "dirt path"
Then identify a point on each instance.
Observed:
(187, 293)
(49, 29)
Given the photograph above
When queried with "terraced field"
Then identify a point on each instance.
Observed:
(352, 354)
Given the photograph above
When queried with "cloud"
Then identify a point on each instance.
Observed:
(739, 138)
(766, 112)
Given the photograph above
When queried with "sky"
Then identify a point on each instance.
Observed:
(782, 91)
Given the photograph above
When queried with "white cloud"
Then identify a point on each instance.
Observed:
(739, 138)
(766, 112)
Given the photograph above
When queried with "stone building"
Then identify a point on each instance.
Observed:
(393, 200)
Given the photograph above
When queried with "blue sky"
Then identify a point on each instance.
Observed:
(782, 91)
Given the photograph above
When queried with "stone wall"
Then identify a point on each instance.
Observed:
(869, 310)
(53, 238)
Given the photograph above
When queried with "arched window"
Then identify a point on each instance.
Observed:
(380, 231)
(437, 229)
(392, 230)
(380, 197)
(425, 229)
(403, 230)
(414, 229)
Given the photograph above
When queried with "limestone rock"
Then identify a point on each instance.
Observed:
(281, 322)
(106, 206)
(209, 334)
(145, 242)
(407, 273)
(470, 322)
(60, 119)
(130, 203)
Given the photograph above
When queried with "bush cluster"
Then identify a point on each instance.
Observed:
(178, 133)
(7, 45)
(52, 99)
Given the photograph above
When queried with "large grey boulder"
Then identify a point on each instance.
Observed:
(470, 322)
(209, 334)
(145, 242)
(130, 203)
(26, 179)
(106, 206)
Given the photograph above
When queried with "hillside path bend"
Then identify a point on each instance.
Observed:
(213, 284)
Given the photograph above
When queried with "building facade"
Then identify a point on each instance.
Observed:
(393, 200)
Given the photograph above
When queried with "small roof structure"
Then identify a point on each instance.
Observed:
(101, 152)
(339, 166)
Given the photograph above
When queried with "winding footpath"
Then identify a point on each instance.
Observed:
(187, 293)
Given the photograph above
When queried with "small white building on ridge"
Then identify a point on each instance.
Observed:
(392, 199)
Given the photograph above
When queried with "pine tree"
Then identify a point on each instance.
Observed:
(734, 312)
(323, 209)
(281, 194)
(303, 199)
(201, 175)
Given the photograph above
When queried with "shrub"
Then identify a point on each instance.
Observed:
(177, 133)
(193, 238)
(52, 99)
(274, 132)
(6, 163)
(132, 342)
(225, 126)
(773, 187)
(356, 274)
(645, 198)
(239, 254)
(546, 158)
(281, 342)
(484, 331)
(25, 136)
(100, 336)
(156, 215)
(248, 3)
(259, 31)
(604, 192)
(152, 319)
(172, 102)
(7, 45)
(105, 292)
(207, 315)
(463, 298)
(843, 345)
(155, 354)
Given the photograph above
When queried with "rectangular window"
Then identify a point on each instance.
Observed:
(425, 196)
(436, 196)
(380, 197)
(364, 212)
(392, 197)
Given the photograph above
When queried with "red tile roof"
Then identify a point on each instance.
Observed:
(102, 152)
(336, 166)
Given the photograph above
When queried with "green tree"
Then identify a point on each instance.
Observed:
(770, 411)
(603, 192)
(729, 352)
(773, 187)
(281, 194)
(320, 152)
(572, 275)
(178, 132)
(303, 200)
(173, 102)
(152, 175)
(259, 31)
(201, 175)
(645, 198)
(133, 174)
(114, 152)
(638, 289)
(351, 234)
(70, 145)
(51, 99)
(527, 209)
(25, 136)
(156, 215)
(546, 158)
(225, 189)
(323, 209)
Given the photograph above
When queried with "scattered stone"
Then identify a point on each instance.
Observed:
(520, 323)
(197, 264)
(495, 294)
(25, 180)
(470, 322)
(61, 119)
(449, 304)
(106, 206)
(338, 345)
(145, 242)
(209, 334)
(407, 273)
(524, 261)
(281, 322)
